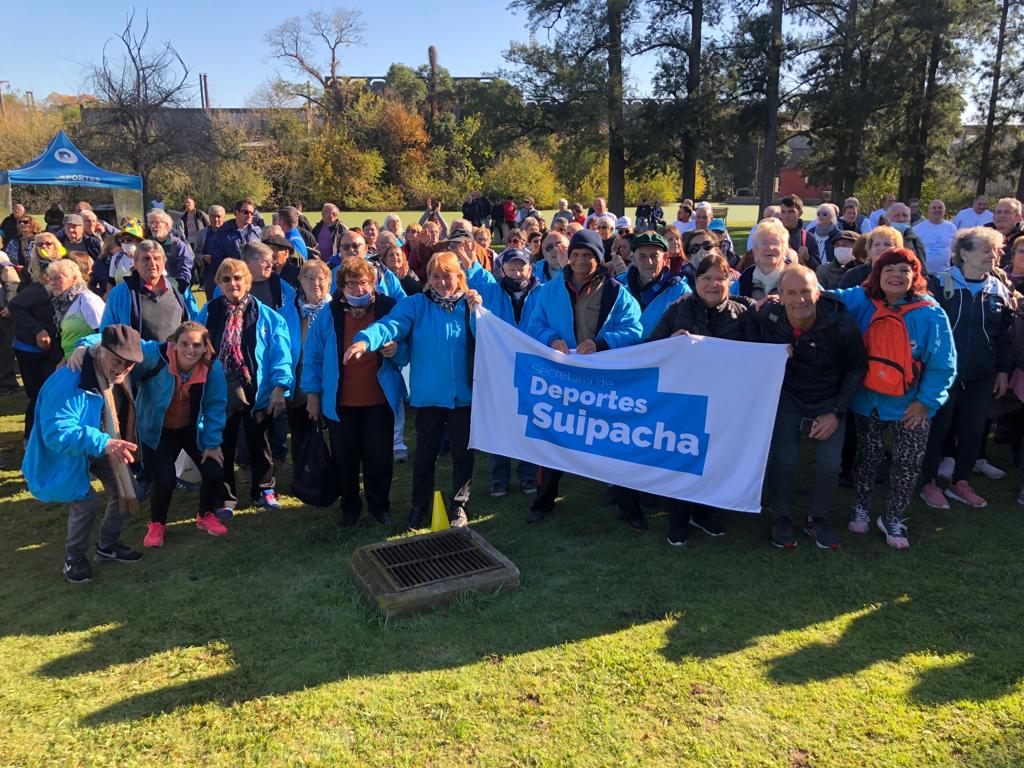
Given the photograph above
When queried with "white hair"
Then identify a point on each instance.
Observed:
(774, 227)
(608, 218)
(216, 210)
(830, 209)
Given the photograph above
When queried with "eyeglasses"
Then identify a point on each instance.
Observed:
(707, 245)
(514, 240)
(233, 279)
(552, 247)
(603, 226)
(353, 284)
(349, 246)
(45, 244)
(247, 212)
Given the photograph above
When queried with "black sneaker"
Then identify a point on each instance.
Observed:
(415, 520)
(818, 529)
(119, 553)
(383, 518)
(677, 537)
(783, 533)
(708, 524)
(537, 514)
(529, 487)
(77, 570)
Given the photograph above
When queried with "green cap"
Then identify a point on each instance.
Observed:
(649, 238)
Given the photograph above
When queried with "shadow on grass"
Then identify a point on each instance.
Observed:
(276, 594)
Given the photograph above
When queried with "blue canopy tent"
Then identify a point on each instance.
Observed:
(62, 164)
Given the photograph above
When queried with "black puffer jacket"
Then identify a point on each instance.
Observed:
(732, 319)
(828, 363)
(32, 312)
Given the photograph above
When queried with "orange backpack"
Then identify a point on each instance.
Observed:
(892, 369)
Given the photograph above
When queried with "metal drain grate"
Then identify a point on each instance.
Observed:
(411, 575)
(418, 562)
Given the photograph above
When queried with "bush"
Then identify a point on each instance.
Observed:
(522, 172)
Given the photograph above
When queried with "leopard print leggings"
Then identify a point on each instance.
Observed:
(907, 454)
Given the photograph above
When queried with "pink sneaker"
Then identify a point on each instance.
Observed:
(154, 535)
(932, 496)
(963, 493)
(860, 521)
(895, 531)
(207, 521)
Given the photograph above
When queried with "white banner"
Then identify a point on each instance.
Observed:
(688, 417)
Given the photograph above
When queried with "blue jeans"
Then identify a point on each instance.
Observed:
(501, 470)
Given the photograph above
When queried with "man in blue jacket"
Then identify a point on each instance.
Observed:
(228, 241)
(588, 311)
(71, 442)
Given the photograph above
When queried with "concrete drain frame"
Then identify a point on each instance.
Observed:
(409, 576)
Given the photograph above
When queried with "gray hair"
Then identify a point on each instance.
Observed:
(896, 207)
(1013, 202)
(216, 210)
(160, 215)
(772, 227)
(389, 218)
(968, 239)
(608, 218)
(149, 245)
(332, 208)
(66, 267)
(256, 252)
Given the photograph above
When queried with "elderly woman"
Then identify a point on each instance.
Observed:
(178, 253)
(907, 405)
(825, 230)
(605, 226)
(980, 308)
(771, 248)
(77, 311)
(393, 223)
(482, 237)
(841, 259)
(360, 406)
(146, 300)
(438, 325)
(36, 332)
(393, 257)
(19, 249)
(311, 299)
(881, 239)
(253, 345)
(710, 311)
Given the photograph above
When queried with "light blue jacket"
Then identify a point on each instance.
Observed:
(650, 316)
(438, 341)
(273, 352)
(321, 375)
(67, 432)
(931, 342)
(552, 317)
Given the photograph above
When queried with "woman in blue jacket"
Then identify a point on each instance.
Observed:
(359, 400)
(253, 346)
(438, 325)
(896, 282)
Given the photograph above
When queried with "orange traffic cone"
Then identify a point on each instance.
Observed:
(438, 517)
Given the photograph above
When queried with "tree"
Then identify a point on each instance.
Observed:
(769, 164)
(991, 127)
(134, 84)
(294, 42)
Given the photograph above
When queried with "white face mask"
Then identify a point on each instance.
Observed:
(844, 255)
(128, 249)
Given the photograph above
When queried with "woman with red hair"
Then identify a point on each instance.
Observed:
(911, 365)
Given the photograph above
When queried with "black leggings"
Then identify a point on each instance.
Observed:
(160, 462)
(36, 368)
(962, 415)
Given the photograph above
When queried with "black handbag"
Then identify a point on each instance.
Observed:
(315, 479)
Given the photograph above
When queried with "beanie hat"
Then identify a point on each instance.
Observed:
(589, 239)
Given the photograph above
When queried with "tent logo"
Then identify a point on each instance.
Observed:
(64, 155)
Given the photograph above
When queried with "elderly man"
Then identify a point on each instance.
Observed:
(649, 280)
(589, 311)
(936, 234)
(563, 211)
(771, 249)
(81, 418)
(978, 215)
(229, 240)
(9, 226)
(95, 226)
(146, 300)
(1007, 221)
(103, 228)
(193, 221)
(329, 231)
(283, 250)
(873, 219)
(898, 216)
(806, 247)
(354, 244)
(824, 372)
(180, 257)
(204, 238)
(600, 208)
(770, 212)
(74, 234)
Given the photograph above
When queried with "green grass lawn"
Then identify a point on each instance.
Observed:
(255, 649)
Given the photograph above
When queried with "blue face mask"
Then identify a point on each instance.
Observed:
(358, 301)
(901, 227)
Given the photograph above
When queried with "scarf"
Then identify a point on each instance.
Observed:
(62, 303)
(447, 303)
(231, 355)
(308, 311)
(127, 502)
(768, 283)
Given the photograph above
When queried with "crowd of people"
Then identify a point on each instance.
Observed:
(900, 329)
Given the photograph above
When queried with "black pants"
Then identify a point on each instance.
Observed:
(8, 380)
(160, 461)
(36, 368)
(547, 489)
(680, 513)
(364, 439)
(431, 422)
(257, 440)
(963, 416)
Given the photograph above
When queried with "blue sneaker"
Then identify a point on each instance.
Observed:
(268, 499)
(224, 513)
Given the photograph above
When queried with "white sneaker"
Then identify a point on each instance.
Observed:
(946, 467)
(982, 466)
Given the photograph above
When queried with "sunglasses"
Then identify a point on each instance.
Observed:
(26, 222)
(233, 279)
(349, 246)
(707, 245)
(247, 212)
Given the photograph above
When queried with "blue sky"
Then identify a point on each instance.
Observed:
(228, 44)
